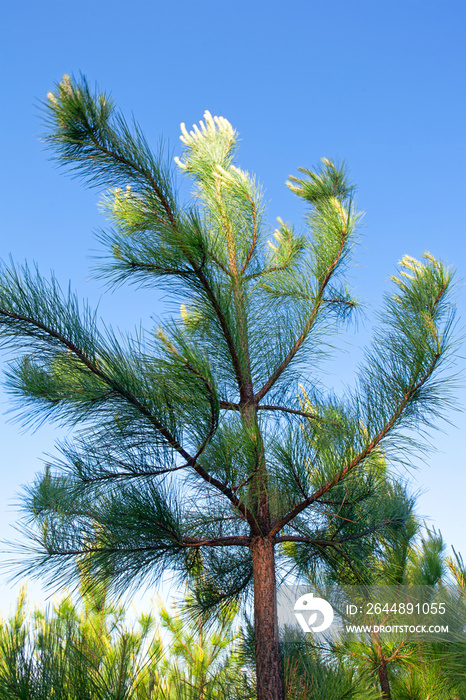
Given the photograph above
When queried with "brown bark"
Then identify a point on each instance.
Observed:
(383, 680)
(267, 647)
(382, 668)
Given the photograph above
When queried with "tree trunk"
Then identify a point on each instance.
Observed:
(383, 679)
(267, 648)
(382, 668)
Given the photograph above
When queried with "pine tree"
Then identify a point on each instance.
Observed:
(190, 454)
(87, 651)
(400, 562)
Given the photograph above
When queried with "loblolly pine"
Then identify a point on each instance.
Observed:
(191, 454)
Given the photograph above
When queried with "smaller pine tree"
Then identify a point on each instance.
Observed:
(88, 651)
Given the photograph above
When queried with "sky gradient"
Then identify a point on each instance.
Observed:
(377, 83)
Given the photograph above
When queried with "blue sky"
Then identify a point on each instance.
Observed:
(378, 83)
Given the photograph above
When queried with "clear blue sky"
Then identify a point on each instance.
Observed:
(378, 83)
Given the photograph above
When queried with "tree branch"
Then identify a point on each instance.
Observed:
(230, 405)
(239, 541)
(254, 235)
(145, 173)
(134, 401)
(196, 268)
(132, 474)
(309, 323)
(294, 411)
(267, 271)
(146, 267)
(332, 542)
(224, 326)
(362, 455)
